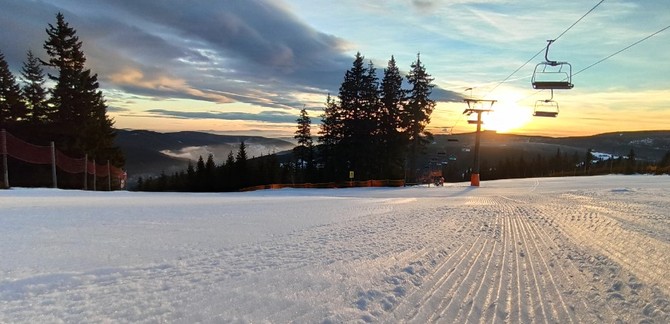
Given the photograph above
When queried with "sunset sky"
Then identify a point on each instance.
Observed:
(249, 66)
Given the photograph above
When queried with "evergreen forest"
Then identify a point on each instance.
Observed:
(56, 98)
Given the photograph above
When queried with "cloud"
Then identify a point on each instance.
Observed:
(251, 51)
(265, 116)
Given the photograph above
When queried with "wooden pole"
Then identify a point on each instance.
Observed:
(53, 164)
(86, 171)
(95, 177)
(109, 176)
(4, 158)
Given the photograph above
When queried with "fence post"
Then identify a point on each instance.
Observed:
(95, 177)
(86, 171)
(53, 164)
(4, 158)
(109, 176)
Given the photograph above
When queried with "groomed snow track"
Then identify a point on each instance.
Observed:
(566, 250)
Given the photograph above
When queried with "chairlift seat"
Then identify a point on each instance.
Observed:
(545, 114)
(546, 108)
(547, 85)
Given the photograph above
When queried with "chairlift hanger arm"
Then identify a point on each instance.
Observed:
(546, 52)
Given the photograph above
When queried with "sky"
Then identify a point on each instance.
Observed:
(249, 66)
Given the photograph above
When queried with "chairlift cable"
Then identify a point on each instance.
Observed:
(543, 48)
(621, 50)
(604, 59)
(580, 19)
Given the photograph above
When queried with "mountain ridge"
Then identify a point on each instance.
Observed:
(148, 153)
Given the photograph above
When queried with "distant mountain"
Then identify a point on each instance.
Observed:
(648, 146)
(149, 153)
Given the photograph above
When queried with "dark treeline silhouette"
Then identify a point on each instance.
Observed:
(562, 164)
(236, 172)
(374, 129)
(72, 113)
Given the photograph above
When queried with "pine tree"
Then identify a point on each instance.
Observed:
(11, 107)
(417, 113)
(79, 107)
(350, 110)
(241, 168)
(330, 135)
(304, 152)
(33, 92)
(631, 165)
(304, 136)
(358, 113)
(210, 173)
(67, 58)
(393, 98)
(368, 134)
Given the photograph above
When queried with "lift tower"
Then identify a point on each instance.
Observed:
(477, 106)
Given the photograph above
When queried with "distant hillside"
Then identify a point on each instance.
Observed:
(149, 153)
(459, 148)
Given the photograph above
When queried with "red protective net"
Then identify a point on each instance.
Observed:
(37, 154)
(27, 152)
(3, 142)
(101, 170)
(69, 164)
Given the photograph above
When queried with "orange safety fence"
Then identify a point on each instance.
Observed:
(330, 185)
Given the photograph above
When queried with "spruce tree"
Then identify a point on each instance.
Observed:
(241, 168)
(79, 108)
(304, 136)
(33, 92)
(393, 98)
(11, 107)
(329, 136)
(368, 134)
(417, 113)
(352, 110)
(631, 164)
(304, 152)
(67, 59)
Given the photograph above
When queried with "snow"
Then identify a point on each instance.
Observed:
(585, 249)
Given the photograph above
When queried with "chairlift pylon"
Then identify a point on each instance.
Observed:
(552, 74)
(546, 107)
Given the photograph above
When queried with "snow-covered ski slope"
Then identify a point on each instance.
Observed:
(554, 250)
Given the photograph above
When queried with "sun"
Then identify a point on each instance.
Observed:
(506, 116)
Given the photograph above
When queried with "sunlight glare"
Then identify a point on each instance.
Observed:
(507, 116)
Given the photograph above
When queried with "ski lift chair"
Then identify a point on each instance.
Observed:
(546, 107)
(552, 74)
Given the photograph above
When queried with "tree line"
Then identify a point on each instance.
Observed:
(562, 164)
(373, 129)
(72, 112)
(236, 172)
